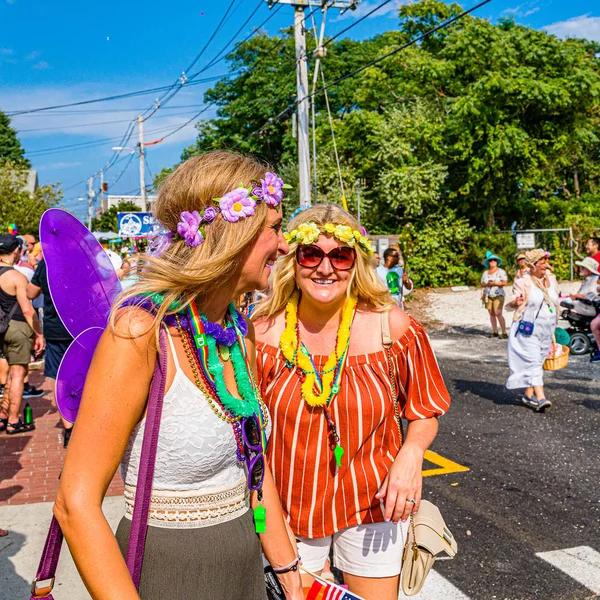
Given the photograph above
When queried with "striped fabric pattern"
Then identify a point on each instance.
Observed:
(319, 498)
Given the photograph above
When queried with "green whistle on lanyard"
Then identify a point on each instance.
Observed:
(260, 519)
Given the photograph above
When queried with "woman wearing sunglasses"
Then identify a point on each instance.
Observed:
(325, 376)
(214, 502)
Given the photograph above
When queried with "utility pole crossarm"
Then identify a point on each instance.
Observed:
(341, 4)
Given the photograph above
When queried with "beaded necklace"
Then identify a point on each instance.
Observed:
(208, 357)
(210, 381)
(319, 388)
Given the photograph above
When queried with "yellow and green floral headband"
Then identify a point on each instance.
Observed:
(308, 233)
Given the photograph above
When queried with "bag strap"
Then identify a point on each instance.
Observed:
(386, 340)
(137, 538)
(139, 524)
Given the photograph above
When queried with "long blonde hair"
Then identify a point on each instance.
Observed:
(364, 281)
(182, 272)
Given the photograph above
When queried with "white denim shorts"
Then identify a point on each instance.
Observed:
(373, 550)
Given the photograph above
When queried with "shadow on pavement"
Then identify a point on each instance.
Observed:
(12, 585)
(490, 391)
(11, 448)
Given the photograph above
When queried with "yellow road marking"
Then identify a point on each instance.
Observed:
(445, 465)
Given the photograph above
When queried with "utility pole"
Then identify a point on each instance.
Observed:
(302, 93)
(90, 201)
(102, 200)
(303, 106)
(142, 158)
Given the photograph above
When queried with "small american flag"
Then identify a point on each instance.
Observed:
(330, 591)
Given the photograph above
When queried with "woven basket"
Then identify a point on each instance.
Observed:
(557, 362)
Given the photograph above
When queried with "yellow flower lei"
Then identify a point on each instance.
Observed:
(308, 233)
(289, 347)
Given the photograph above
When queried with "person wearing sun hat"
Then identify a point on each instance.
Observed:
(521, 264)
(494, 281)
(535, 302)
(589, 270)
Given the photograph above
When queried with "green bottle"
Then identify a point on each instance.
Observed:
(28, 415)
(393, 282)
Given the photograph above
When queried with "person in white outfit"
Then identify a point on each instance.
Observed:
(535, 304)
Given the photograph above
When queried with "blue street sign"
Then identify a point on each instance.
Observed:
(135, 224)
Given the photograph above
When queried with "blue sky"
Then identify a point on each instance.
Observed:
(61, 52)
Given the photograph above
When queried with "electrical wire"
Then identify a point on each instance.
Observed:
(131, 157)
(355, 23)
(182, 80)
(110, 98)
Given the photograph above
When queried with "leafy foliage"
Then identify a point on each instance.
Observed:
(19, 206)
(10, 147)
(108, 220)
(478, 127)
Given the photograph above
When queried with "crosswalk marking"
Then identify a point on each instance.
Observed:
(581, 564)
(437, 588)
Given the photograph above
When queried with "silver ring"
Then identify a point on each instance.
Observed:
(411, 501)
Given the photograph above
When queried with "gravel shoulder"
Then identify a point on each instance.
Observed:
(461, 308)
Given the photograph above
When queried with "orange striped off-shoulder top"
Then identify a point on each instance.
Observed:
(318, 497)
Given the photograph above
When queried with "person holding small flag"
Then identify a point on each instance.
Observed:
(339, 364)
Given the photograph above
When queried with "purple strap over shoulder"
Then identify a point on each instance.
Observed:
(139, 525)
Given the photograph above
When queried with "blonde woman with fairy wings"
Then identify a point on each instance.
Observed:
(335, 450)
(210, 488)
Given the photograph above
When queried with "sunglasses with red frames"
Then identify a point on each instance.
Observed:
(341, 258)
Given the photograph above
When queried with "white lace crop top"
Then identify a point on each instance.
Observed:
(196, 449)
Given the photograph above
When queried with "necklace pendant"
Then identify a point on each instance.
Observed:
(224, 353)
(301, 374)
(338, 452)
(200, 340)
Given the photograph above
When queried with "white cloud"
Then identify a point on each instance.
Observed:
(32, 55)
(522, 10)
(91, 122)
(59, 165)
(367, 5)
(583, 26)
(41, 65)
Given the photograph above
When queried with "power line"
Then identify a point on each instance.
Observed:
(131, 157)
(181, 81)
(111, 98)
(355, 23)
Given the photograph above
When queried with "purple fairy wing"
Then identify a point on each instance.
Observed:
(73, 371)
(82, 281)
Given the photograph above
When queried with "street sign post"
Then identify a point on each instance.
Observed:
(525, 241)
(135, 224)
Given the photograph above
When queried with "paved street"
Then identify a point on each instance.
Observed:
(530, 499)
(526, 515)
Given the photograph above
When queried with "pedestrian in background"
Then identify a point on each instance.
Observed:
(588, 269)
(592, 247)
(494, 281)
(536, 312)
(19, 338)
(394, 276)
(58, 339)
(521, 265)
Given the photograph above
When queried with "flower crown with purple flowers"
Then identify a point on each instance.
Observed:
(233, 206)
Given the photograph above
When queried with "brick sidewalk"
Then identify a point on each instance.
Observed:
(31, 462)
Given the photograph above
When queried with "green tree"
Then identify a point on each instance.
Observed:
(19, 206)
(10, 147)
(108, 220)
